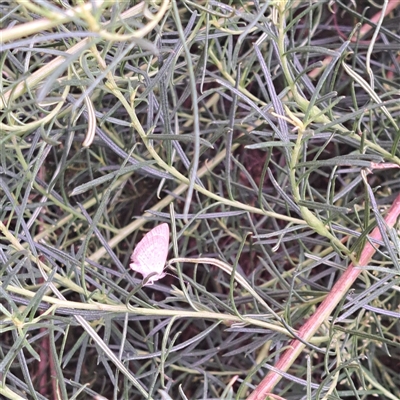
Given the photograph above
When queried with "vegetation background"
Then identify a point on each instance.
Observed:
(264, 132)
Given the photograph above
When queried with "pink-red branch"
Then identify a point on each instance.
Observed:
(325, 309)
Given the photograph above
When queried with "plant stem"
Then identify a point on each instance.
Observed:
(325, 309)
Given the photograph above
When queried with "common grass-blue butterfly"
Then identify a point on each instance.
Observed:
(151, 253)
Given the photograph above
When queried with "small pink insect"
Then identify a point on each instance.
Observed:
(151, 253)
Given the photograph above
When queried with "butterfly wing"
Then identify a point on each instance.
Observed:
(151, 253)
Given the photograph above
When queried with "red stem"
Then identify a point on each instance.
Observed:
(324, 310)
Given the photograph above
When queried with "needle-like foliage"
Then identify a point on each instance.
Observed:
(265, 134)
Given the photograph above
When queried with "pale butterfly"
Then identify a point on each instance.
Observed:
(151, 253)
